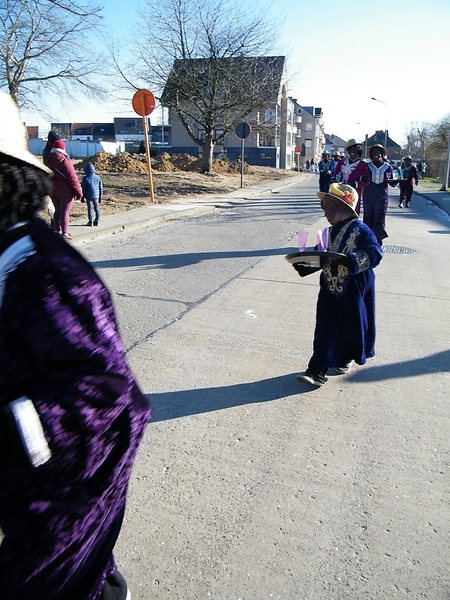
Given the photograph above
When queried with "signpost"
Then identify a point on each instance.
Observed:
(297, 151)
(144, 103)
(243, 130)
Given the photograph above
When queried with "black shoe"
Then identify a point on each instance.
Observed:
(89, 224)
(95, 223)
(400, 205)
(344, 368)
(115, 588)
(315, 379)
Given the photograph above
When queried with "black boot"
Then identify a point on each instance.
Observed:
(115, 588)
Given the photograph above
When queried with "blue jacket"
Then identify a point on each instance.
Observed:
(91, 184)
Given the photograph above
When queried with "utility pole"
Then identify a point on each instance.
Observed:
(443, 187)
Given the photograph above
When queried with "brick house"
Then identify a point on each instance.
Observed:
(272, 140)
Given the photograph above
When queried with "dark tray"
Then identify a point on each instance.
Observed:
(312, 259)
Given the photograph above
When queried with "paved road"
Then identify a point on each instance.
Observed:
(249, 485)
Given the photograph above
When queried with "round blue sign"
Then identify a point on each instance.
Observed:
(243, 130)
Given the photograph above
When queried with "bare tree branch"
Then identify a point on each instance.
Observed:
(201, 58)
(45, 50)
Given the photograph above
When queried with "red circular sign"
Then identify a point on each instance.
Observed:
(143, 102)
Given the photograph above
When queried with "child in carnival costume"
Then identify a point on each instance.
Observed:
(345, 314)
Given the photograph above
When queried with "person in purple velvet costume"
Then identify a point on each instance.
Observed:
(353, 170)
(376, 194)
(71, 412)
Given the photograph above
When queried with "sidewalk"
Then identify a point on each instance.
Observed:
(431, 192)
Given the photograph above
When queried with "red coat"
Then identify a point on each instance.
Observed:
(65, 180)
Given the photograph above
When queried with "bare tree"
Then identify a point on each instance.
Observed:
(44, 50)
(414, 134)
(438, 136)
(201, 56)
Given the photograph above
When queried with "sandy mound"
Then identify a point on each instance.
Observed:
(163, 163)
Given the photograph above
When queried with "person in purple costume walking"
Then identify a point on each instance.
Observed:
(353, 170)
(71, 413)
(409, 177)
(376, 194)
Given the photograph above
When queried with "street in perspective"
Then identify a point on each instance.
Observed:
(248, 484)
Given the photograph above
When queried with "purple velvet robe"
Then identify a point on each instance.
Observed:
(60, 346)
(376, 199)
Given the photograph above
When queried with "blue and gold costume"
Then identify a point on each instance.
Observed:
(345, 319)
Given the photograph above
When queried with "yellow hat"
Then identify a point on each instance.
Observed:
(343, 192)
(13, 139)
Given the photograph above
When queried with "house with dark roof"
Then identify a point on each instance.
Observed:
(394, 150)
(334, 143)
(211, 96)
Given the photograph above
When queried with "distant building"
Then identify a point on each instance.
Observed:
(394, 150)
(32, 132)
(310, 135)
(272, 140)
(333, 143)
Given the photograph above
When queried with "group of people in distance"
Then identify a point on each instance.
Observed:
(370, 179)
(345, 312)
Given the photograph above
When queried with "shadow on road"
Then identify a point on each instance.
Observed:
(172, 405)
(434, 363)
(176, 261)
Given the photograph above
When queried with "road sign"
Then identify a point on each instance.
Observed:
(298, 149)
(143, 102)
(243, 130)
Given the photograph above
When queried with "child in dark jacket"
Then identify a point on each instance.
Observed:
(92, 187)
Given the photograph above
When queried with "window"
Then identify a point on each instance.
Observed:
(270, 116)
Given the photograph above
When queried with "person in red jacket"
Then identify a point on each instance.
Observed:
(66, 187)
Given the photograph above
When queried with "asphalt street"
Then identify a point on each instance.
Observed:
(250, 485)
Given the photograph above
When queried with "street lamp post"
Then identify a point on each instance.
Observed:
(386, 130)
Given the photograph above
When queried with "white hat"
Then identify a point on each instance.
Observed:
(13, 139)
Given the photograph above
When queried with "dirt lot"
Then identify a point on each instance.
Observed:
(126, 183)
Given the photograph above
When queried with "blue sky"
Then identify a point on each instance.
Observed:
(342, 53)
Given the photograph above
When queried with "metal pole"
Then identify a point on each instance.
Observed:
(242, 162)
(147, 151)
(443, 187)
(387, 114)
